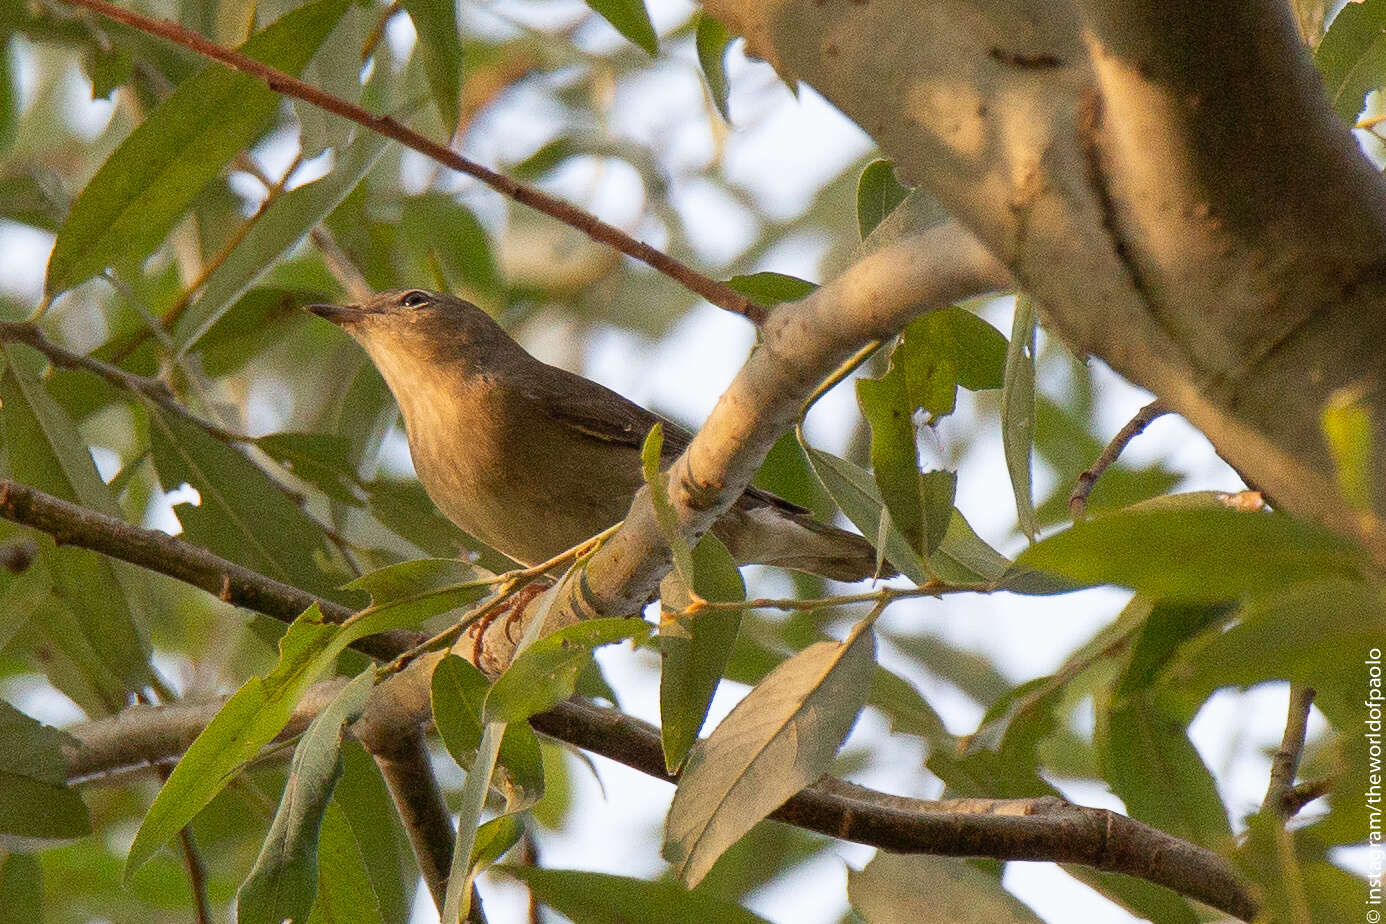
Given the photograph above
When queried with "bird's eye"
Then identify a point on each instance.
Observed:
(415, 299)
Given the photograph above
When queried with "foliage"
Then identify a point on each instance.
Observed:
(191, 226)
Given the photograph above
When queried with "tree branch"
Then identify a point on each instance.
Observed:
(715, 292)
(1087, 480)
(419, 802)
(1167, 180)
(1280, 794)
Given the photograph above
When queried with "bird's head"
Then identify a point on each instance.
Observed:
(413, 334)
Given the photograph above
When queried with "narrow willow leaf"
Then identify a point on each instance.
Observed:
(147, 184)
(344, 894)
(408, 579)
(713, 41)
(458, 898)
(46, 450)
(253, 716)
(545, 673)
(1352, 56)
(771, 288)
(243, 514)
(1195, 554)
(1150, 763)
(854, 490)
(458, 695)
(658, 482)
(1347, 428)
(631, 19)
(283, 881)
(894, 455)
(1018, 412)
(282, 225)
(321, 459)
(914, 888)
(601, 898)
(878, 193)
(38, 808)
(777, 740)
(694, 648)
(435, 23)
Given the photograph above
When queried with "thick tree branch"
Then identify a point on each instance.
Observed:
(418, 800)
(1166, 178)
(715, 292)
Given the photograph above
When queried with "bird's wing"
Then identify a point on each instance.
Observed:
(600, 413)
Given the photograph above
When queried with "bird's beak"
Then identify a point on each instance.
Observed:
(337, 314)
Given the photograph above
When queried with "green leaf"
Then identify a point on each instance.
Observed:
(601, 898)
(9, 94)
(147, 184)
(370, 812)
(1352, 56)
(962, 557)
(914, 888)
(712, 41)
(694, 648)
(1347, 428)
(252, 717)
(1150, 763)
(437, 229)
(1297, 633)
(771, 288)
(46, 450)
(38, 807)
(435, 23)
(854, 490)
(894, 454)
(878, 193)
(1194, 555)
(279, 227)
(777, 740)
(458, 694)
(631, 19)
(545, 673)
(243, 515)
(21, 889)
(650, 454)
(458, 897)
(321, 459)
(1018, 412)
(344, 891)
(407, 580)
(976, 350)
(283, 881)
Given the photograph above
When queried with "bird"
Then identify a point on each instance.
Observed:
(532, 459)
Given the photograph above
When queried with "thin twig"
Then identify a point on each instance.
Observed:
(715, 292)
(1300, 795)
(1078, 500)
(1285, 763)
(197, 875)
(153, 389)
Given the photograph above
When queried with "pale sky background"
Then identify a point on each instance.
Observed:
(784, 149)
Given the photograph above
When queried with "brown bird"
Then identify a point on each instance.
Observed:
(531, 459)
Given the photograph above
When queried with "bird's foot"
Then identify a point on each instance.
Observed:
(512, 608)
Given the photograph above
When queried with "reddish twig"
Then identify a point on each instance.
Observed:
(715, 292)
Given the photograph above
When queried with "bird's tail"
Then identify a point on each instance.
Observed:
(771, 536)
